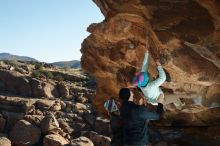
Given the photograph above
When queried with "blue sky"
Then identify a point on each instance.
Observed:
(47, 30)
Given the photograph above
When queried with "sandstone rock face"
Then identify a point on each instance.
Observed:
(184, 35)
(25, 134)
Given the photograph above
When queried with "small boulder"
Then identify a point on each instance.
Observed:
(63, 105)
(56, 106)
(66, 127)
(80, 106)
(69, 106)
(43, 89)
(4, 141)
(82, 141)
(77, 127)
(44, 104)
(63, 90)
(81, 99)
(25, 134)
(12, 119)
(55, 140)
(49, 123)
(96, 138)
(34, 119)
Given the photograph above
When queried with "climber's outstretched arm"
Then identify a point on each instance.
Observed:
(145, 62)
(162, 76)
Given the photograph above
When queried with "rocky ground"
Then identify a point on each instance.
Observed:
(43, 105)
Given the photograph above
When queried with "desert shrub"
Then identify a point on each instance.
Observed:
(33, 62)
(11, 62)
(48, 74)
(59, 78)
(36, 74)
(38, 66)
(39, 73)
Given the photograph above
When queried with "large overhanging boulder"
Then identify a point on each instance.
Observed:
(184, 34)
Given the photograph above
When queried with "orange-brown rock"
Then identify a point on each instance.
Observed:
(183, 34)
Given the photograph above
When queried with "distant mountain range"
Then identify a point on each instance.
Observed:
(72, 64)
(7, 56)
